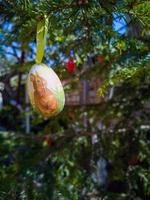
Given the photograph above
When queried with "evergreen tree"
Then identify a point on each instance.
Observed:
(59, 158)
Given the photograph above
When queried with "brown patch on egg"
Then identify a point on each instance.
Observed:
(44, 99)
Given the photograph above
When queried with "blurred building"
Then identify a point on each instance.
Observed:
(85, 93)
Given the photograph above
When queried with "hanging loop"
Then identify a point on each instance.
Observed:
(42, 27)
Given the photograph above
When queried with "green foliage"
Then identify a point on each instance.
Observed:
(134, 73)
(62, 167)
(142, 11)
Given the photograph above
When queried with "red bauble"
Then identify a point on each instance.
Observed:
(82, 2)
(133, 160)
(70, 65)
(101, 59)
(48, 140)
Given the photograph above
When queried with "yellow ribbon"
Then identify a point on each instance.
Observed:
(42, 27)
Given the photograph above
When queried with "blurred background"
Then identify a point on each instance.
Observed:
(98, 147)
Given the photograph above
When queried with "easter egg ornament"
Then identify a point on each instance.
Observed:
(44, 88)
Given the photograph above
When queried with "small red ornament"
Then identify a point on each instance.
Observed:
(133, 160)
(101, 59)
(70, 65)
(82, 2)
(48, 141)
